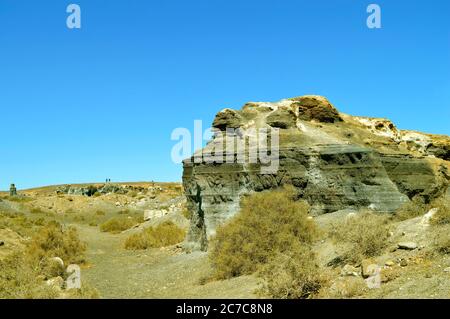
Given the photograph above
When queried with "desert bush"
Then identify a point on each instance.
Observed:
(442, 216)
(19, 199)
(52, 241)
(118, 224)
(366, 233)
(23, 273)
(344, 288)
(442, 239)
(414, 208)
(100, 213)
(292, 274)
(19, 280)
(268, 223)
(19, 223)
(132, 193)
(165, 234)
(36, 210)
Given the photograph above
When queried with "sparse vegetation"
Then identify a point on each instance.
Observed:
(411, 209)
(442, 216)
(292, 274)
(132, 193)
(165, 234)
(268, 224)
(366, 233)
(52, 241)
(23, 272)
(118, 224)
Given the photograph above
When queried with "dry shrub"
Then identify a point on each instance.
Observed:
(52, 241)
(132, 193)
(19, 223)
(442, 239)
(345, 287)
(292, 274)
(37, 210)
(165, 234)
(414, 208)
(118, 224)
(366, 233)
(442, 216)
(23, 273)
(268, 223)
(20, 280)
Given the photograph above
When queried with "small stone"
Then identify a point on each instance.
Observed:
(57, 282)
(349, 270)
(389, 263)
(407, 245)
(369, 268)
(403, 263)
(447, 269)
(374, 282)
(57, 260)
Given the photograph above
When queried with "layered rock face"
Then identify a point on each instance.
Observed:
(335, 161)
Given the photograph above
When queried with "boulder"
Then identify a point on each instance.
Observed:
(282, 118)
(349, 270)
(227, 118)
(369, 268)
(314, 107)
(407, 245)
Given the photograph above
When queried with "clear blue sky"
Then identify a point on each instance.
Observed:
(84, 105)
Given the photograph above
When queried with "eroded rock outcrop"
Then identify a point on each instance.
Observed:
(336, 161)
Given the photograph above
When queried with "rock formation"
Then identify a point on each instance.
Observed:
(336, 161)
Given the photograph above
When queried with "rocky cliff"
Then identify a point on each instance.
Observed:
(336, 161)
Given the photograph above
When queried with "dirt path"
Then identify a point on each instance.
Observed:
(155, 273)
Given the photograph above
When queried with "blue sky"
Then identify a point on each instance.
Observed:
(102, 101)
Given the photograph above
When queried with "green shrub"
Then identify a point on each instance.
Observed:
(118, 224)
(165, 234)
(268, 223)
(367, 234)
